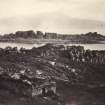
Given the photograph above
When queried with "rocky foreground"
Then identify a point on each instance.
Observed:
(78, 75)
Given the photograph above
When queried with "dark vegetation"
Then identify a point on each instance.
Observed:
(70, 67)
(31, 36)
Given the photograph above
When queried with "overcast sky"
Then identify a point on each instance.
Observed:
(62, 16)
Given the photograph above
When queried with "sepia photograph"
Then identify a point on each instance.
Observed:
(52, 52)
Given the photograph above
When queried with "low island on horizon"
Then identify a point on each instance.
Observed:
(39, 37)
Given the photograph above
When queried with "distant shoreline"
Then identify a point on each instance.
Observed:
(46, 41)
(38, 37)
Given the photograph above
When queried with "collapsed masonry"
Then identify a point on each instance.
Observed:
(26, 88)
(45, 89)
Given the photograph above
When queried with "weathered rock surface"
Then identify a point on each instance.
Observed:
(67, 66)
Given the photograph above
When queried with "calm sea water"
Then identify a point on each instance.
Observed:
(29, 46)
(91, 46)
(19, 45)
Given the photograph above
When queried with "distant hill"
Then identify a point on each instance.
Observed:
(31, 37)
